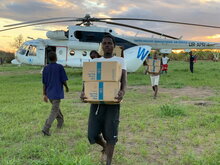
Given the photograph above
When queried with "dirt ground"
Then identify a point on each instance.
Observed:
(198, 95)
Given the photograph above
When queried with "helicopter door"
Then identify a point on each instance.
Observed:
(61, 52)
(40, 55)
(47, 51)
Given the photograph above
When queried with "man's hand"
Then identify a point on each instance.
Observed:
(67, 89)
(45, 98)
(83, 97)
(120, 96)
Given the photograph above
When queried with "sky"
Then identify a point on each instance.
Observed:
(191, 11)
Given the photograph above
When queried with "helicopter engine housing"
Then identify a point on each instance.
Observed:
(57, 35)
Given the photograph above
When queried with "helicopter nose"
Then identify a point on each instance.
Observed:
(17, 57)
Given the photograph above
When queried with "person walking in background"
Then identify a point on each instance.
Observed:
(155, 73)
(191, 61)
(53, 79)
(165, 61)
(215, 56)
(94, 54)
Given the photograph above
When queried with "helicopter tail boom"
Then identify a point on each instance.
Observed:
(135, 56)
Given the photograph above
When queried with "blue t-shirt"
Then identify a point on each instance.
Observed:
(53, 78)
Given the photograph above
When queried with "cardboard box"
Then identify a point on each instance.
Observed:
(154, 65)
(101, 92)
(153, 69)
(102, 71)
(116, 52)
(153, 62)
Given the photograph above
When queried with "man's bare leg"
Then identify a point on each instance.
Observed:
(153, 88)
(109, 152)
(155, 91)
(102, 143)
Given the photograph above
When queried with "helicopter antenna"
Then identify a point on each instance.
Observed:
(30, 38)
(136, 34)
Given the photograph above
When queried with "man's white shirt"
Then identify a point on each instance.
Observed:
(165, 60)
(120, 60)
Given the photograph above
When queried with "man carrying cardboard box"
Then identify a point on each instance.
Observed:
(104, 118)
(154, 69)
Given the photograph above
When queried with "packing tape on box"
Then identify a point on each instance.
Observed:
(101, 88)
(98, 71)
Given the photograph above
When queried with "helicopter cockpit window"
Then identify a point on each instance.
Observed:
(23, 49)
(72, 52)
(31, 51)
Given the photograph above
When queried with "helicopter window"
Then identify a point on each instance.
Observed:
(31, 51)
(86, 36)
(22, 50)
(60, 52)
(78, 34)
(84, 53)
(72, 52)
(96, 37)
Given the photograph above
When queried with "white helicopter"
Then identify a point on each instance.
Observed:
(73, 46)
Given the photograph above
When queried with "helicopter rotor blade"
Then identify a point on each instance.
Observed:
(87, 21)
(157, 20)
(134, 27)
(17, 27)
(35, 21)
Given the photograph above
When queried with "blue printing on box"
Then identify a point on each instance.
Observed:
(101, 86)
(154, 68)
(98, 71)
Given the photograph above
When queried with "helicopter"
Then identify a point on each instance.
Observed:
(74, 45)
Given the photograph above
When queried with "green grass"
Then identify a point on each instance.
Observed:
(169, 130)
(171, 110)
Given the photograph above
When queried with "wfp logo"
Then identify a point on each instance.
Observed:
(142, 53)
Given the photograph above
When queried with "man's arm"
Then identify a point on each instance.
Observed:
(121, 93)
(66, 86)
(45, 98)
(82, 96)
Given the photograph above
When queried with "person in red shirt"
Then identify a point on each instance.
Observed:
(165, 61)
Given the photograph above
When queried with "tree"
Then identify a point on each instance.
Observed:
(18, 41)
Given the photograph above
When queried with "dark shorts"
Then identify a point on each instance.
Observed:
(103, 119)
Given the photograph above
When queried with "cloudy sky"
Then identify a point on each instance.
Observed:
(192, 11)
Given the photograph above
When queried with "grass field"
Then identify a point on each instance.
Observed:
(180, 127)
